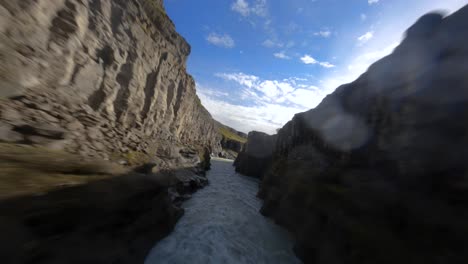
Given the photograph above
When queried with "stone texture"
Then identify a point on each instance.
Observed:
(112, 70)
(377, 173)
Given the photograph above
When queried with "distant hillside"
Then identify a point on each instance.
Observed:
(232, 141)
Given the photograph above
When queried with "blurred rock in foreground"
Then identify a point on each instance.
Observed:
(377, 173)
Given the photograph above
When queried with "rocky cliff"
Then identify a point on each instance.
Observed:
(108, 77)
(256, 155)
(86, 85)
(377, 173)
(232, 141)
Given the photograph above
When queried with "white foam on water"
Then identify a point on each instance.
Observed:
(222, 224)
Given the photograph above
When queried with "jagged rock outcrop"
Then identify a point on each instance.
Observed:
(109, 76)
(377, 173)
(256, 155)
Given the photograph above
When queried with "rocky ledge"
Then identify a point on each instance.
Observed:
(377, 173)
(62, 208)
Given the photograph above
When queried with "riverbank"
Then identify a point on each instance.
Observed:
(61, 208)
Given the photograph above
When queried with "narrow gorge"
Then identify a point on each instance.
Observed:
(108, 154)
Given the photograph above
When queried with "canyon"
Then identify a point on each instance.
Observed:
(104, 145)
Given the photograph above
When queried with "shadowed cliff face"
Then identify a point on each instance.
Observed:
(256, 154)
(377, 173)
(108, 77)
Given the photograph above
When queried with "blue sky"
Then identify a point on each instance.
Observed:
(258, 62)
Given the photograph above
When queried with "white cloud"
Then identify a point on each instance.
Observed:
(307, 59)
(259, 8)
(326, 64)
(269, 88)
(366, 37)
(241, 78)
(241, 7)
(306, 97)
(281, 55)
(262, 117)
(269, 43)
(372, 2)
(270, 103)
(324, 33)
(219, 40)
(285, 91)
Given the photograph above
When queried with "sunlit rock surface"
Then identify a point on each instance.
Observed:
(109, 74)
(377, 173)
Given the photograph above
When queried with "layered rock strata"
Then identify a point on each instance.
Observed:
(107, 77)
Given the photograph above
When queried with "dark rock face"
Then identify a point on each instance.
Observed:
(233, 145)
(110, 221)
(109, 74)
(257, 154)
(60, 208)
(377, 173)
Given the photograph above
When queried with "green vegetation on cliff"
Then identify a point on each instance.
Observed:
(225, 132)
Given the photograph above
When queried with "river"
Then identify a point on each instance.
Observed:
(222, 224)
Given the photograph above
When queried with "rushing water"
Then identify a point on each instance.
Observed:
(222, 224)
